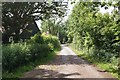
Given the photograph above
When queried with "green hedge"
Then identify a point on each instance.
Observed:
(52, 40)
(48, 39)
(19, 54)
(15, 55)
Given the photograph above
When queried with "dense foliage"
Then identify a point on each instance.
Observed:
(17, 15)
(56, 28)
(51, 40)
(46, 39)
(19, 54)
(96, 34)
(18, 23)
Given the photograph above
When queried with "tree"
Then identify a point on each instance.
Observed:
(91, 30)
(55, 28)
(17, 15)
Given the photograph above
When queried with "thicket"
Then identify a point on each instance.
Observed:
(19, 54)
(96, 34)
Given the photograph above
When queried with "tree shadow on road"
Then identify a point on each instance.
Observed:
(66, 58)
(44, 73)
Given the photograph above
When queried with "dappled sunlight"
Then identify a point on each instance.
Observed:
(36, 36)
(66, 65)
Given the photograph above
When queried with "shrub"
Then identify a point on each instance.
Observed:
(46, 39)
(17, 54)
(36, 39)
(53, 40)
(114, 63)
(39, 50)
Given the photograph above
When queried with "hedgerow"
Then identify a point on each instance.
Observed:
(19, 54)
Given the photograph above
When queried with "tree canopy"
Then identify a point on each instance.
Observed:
(17, 15)
(91, 30)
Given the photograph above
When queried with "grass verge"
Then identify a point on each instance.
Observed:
(100, 64)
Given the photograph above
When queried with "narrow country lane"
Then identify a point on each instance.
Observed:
(67, 65)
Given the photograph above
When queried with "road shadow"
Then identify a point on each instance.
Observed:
(66, 57)
(44, 73)
(68, 60)
(59, 60)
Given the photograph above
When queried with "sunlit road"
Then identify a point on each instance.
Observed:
(67, 65)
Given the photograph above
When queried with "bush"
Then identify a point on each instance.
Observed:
(39, 51)
(17, 54)
(46, 39)
(36, 39)
(49, 39)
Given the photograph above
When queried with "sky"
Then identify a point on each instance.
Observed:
(70, 7)
(39, 24)
(109, 10)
